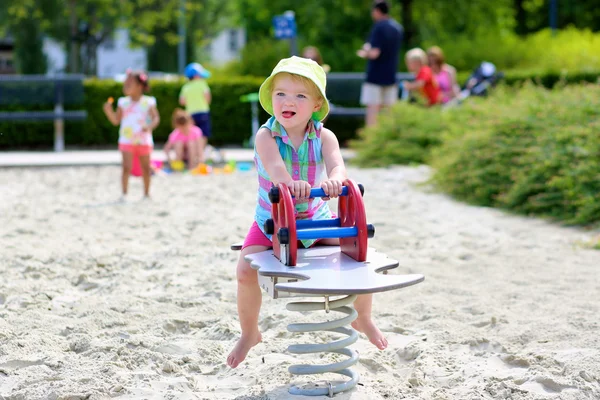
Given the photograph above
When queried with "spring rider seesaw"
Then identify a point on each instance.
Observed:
(343, 271)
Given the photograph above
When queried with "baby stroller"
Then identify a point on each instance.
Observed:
(482, 78)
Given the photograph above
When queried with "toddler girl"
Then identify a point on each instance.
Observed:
(138, 116)
(444, 73)
(292, 148)
(185, 139)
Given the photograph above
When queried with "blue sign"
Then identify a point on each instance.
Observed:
(285, 26)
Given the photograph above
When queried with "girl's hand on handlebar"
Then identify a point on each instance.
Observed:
(299, 189)
(332, 188)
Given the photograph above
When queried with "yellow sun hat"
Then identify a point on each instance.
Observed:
(297, 66)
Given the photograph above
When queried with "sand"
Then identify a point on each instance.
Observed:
(104, 300)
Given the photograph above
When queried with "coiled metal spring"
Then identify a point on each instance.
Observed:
(338, 346)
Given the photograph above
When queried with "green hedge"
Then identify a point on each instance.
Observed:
(231, 119)
(530, 150)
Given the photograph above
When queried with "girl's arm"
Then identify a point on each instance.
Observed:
(155, 118)
(267, 150)
(208, 97)
(454, 84)
(182, 96)
(336, 169)
(414, 85)
(113, 117)
(167, 150)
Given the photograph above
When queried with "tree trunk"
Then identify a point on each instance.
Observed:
(29, 54)
(521, 17)
(74, 44)
(407, 22)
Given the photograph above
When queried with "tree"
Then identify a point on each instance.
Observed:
(78, 23)
(83, 25)
(26, 21)
(337, 27)
(29, 49)
(156, 22)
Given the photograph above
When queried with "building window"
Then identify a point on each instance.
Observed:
(233, 41)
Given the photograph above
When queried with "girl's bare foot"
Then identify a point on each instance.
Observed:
(242, 347)
(373, 333)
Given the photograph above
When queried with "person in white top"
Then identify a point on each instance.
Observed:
(138, 117)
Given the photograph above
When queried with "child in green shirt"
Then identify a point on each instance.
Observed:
(195, 96)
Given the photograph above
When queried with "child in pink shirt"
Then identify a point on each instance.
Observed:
(185, 139)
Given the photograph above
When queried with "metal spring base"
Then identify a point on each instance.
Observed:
(339, 346)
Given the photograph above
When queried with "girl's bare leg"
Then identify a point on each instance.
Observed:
(126, 170)
(179, 150)
(146, 173)
(249, 299)
(202, 142)
(363, 306)
(194, 157)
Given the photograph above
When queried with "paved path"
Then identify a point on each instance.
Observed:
(102, 157)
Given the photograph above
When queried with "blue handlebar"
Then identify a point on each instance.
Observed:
(318, 192)
(327, 233)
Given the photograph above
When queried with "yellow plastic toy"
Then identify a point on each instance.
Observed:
(177, 165)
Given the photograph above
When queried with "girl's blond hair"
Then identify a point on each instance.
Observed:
(307, 83)
(417, 54)
(181, 118)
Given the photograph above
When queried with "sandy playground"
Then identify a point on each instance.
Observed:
(102, 300)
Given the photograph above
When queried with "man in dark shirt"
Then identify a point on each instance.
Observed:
(382, 51)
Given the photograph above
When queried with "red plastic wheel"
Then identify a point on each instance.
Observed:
(351, 210)
(284, 217)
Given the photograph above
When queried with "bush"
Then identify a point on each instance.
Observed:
(537, 152)
(568, 50)
(404, 135)
(529, 150)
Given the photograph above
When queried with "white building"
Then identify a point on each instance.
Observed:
(55, 55)
(226, 46)
(115, 55)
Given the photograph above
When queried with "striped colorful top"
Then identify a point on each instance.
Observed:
(306, 164)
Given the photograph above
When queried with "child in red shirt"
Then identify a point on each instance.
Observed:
(425, 82)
